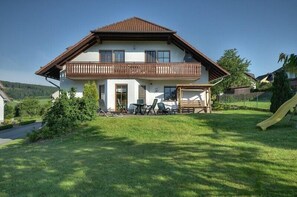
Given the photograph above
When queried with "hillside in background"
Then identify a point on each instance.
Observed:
(21, 90)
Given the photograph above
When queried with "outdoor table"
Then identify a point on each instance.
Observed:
(139, 107)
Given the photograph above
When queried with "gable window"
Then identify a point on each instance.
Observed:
(163, 56)
(150, 56)
(105, 55)
(119, 56)
(169, 93)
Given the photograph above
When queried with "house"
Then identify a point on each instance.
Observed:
(3, 99)
(269, 78)
(136, 59)
(244, 89)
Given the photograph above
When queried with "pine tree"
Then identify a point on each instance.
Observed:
(281, 90)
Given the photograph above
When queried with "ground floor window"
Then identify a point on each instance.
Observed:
(102, 92)
(169, 93)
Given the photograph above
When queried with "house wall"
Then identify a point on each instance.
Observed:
(134, 50)
(1, 109)
(154, 89)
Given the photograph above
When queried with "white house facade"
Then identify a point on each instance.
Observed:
(136, 59)
(1, 109)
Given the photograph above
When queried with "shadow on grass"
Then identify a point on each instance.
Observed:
(243, 126)
(90, 163)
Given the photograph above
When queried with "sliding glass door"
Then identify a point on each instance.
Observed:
(121, 96)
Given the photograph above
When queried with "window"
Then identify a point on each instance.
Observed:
(119, 56)
(102, 92)
(150, 56)
(105, 56)
(169, 93)
(163, 56)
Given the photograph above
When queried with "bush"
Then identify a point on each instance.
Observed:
(27, 122)
(43, 133)
(281, 90)
(44, 108)
(8, 111)
(6, 127)
(89, 102)
(67, 112)
(30, 107)
(64, 114)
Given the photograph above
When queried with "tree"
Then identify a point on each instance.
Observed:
(30, 107)
(281, 90)
(237, 67)
(290, 62)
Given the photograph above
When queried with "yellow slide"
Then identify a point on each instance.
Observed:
(279, 114)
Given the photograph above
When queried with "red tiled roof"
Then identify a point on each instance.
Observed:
(135, 25)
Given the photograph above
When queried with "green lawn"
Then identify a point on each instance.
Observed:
(221, 154)
(255, 104)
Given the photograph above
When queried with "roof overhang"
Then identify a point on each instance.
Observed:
(53, 68)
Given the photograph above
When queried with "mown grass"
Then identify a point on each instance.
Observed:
(180, 155)
(254, 104)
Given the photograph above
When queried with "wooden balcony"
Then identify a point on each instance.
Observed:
(152, 71)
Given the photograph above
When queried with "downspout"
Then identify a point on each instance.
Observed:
(219, 81)
(52, 83)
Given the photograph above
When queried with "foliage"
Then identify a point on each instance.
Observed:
(27, 122)
(289, 62)
(63, 116)
(21, 90)
(29, 107)
(264, 87)
(8, 112)
(67, 112)
(237, 67)
(44, 107)
(89, 104)
(281, 90)
(8, 126)
(218, 154)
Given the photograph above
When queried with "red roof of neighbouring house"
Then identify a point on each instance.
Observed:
(132, 28)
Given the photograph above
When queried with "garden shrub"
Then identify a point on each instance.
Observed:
(67, 112)
(89, 102)
(8, 111)
(64, 114)
(281, 90)
(27, 122)
(30, 107)
(6, 127)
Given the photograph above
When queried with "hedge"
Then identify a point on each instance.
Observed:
(27, 122)
(6, 127)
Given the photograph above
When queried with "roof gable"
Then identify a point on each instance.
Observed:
(132, 28)
(135, 25)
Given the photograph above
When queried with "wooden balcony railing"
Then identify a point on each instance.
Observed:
(93, 70)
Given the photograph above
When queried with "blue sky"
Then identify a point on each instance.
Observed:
(33, 32)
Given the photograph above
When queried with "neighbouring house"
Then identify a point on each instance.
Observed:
(137, 59)
(244, 89)
(269, 78)
(3, 99)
